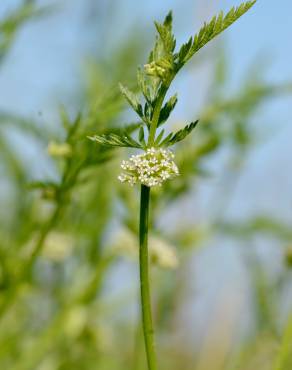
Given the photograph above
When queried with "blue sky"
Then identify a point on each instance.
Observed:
(47, 57)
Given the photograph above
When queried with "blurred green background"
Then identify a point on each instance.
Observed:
(221, 242)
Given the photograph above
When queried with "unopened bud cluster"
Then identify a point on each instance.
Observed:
(153, 69)
(150, 168)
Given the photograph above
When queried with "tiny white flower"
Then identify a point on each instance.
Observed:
(150, 168)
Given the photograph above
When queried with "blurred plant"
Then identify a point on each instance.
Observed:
(156, 165)
(63, 313)
(10, 25)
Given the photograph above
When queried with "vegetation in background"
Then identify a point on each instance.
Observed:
(155, 165)
(63, 239)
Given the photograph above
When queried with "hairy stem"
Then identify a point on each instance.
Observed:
(144, 279)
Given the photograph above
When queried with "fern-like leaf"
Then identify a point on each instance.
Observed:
(114, 140)
(167, 109)
(132, 100)
(175, 137)
(166, 35)
(212, 29)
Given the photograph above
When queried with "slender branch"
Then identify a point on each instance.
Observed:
(44, 342)
(14, 290)
(144, 279)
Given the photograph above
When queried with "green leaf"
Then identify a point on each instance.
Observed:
(162, 52)
(144, 85)
(114, 140)
(212, 29)
(184, 50)
(132, 100)
(167, 109)
(148, 112)
(142, 136)
(174, 138)
(159, 137)
(168, 20)
(166, 35)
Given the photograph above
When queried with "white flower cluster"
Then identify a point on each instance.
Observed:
(150, 168)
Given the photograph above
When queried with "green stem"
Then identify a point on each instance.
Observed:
(156, 114)
(144, 279)
(158, 105)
